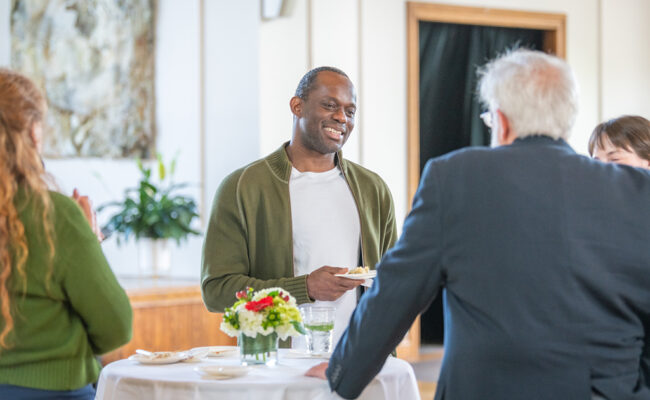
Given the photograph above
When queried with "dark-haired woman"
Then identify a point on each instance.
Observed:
(623, 140)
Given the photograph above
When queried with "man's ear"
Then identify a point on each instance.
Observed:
(505, 134)
(296, 106)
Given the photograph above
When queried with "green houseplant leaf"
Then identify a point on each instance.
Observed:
(153, 209)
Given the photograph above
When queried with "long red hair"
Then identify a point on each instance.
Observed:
(22, 105)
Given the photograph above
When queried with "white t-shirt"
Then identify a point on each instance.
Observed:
(326, 231)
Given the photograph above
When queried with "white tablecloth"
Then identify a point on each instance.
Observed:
(129, 380)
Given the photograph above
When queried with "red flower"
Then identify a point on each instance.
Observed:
(259, 305)
(283, 296)
(241, 294)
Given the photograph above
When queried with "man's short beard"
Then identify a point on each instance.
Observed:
(318, 144)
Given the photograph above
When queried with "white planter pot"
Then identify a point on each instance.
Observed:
(154, 257)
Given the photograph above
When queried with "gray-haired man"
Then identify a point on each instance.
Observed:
(542, 253)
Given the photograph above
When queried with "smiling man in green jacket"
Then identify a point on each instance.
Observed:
(303, 214)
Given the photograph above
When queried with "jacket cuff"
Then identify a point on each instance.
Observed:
(334, 374)
(298, 288)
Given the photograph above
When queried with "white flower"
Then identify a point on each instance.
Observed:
(286, 330)
(228, 329)
(251, 322)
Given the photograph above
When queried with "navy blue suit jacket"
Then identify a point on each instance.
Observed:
(544, 258)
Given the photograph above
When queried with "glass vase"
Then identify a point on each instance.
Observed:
(258, 350)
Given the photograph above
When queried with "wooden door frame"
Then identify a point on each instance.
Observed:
(554, 26)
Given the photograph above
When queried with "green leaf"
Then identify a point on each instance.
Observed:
(153, 209)
(298, 327)
(161, 167)
(172, 167)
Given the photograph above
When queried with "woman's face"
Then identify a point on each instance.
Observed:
(609, 153)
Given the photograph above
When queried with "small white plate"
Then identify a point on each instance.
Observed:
(218, 351)
(369, 275)
(159, 357)
(221, 371)
(295, 353)
(196, 355)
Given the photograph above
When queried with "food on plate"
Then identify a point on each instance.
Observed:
(360, 270)
(215, 351)
(159, 355)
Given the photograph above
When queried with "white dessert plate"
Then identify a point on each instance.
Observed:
(365, 276)
(221, 371)
(295, 353)
(159, 357)
(196, 354)
(217, 351)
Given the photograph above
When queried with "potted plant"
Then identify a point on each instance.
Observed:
(153, 212)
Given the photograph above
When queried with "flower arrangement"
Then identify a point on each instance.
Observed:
(265, 312)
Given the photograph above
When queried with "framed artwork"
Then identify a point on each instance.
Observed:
(95, 61)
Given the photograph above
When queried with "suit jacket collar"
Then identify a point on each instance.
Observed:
(542, 140)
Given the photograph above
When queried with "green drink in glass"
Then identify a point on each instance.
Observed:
(319, 324)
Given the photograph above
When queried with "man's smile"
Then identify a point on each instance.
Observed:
(333, 133)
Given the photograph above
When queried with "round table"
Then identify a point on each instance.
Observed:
(129, 380)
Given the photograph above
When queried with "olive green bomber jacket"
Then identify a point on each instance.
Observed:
(249, 238)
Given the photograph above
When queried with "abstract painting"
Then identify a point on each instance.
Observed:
(95, 61)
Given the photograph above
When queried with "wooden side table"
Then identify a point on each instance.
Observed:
(168, 314)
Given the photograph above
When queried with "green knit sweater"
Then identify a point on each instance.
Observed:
(249, 240)
(82, 312)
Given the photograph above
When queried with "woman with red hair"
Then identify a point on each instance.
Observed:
(60, 303)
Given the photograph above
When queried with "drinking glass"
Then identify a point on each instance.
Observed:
(319, 324)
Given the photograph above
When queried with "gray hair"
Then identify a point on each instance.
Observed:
(536, 91)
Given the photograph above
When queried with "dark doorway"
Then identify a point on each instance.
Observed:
(449, 107)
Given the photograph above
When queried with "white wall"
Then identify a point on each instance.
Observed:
(625, 58)
(206, 112)
(369, 38)
(284, 57)
(5, 32)
(222, 96)
(383, 49)
(231, 89)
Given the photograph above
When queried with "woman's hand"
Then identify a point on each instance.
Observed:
(91, 216)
